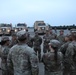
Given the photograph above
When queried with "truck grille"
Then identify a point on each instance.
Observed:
(42, 28)
(19, 29)
(4, 29)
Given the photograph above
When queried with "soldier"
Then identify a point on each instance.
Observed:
(13, 40)
(61, 37)
(46, 39)
(63, 49)
(22, 58)
(70, 57)
(55, 29)
(29, 41)
(67, 40)
(52, 35)
(37, 41)
(53, 59)
(4, 53)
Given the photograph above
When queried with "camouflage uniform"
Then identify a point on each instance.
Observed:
(61, 38)
(47, 37)
(70, 56)
(51, 66)
(22, 59)
(69, 60)
(14, 40)
(4, 53)
(63, 48)
(53, 36)
(37, 45)
(30, 41)
(63, 51)
(12, 43)
(45, 44)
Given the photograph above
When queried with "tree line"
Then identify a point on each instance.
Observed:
(63, 27)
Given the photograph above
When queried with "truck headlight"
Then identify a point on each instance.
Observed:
(8, 30)
(0, 30)
(43, 28)
(38, 28)
(24, 29)
(15, 30)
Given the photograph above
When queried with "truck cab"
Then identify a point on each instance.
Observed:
(5, 29)
(21, 26)
(41, 27)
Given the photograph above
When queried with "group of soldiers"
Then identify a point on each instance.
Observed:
(21, 54)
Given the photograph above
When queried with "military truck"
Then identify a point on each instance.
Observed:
(21, 26)
(5, 29)
(41, 27)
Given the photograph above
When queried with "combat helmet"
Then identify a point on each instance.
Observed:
(21, 35)
(54, 43)
(5, 38)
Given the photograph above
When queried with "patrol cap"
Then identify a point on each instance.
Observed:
(5, 38)
(54, 43)
(21, 35)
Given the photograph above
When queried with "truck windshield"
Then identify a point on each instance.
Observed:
(21, 25)
(5, 25)
(41, 24)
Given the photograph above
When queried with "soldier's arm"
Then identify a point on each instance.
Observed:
(5, 53)
(69, 57)
(44, 58)
(61, 60)
(69, 51)
(69, 54)
(62, 49)
(9, 64)
(34, 64)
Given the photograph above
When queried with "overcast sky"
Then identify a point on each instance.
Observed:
(54, 12)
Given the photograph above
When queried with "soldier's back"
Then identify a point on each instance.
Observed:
(70, 56)
(50, 64)
(20, 58)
